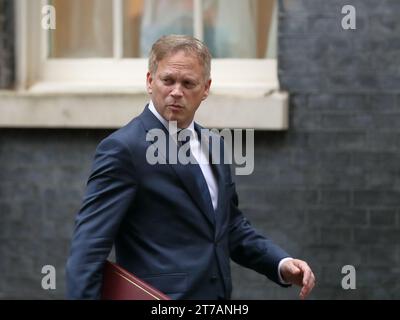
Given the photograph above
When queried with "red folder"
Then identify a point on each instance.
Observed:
(119, 284)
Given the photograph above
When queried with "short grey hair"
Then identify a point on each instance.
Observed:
(171, 44)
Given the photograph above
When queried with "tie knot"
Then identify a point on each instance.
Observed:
(183, 136)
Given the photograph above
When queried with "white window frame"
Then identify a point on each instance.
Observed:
(36, 74)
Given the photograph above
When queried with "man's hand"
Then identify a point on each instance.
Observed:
(299, 273)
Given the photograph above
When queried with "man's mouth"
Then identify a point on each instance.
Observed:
(175, 107)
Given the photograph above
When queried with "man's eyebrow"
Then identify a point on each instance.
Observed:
(185, 77)
(189, 78)
(166, 74)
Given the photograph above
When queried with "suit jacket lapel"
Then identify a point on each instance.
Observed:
(185, 173)
(188, 175)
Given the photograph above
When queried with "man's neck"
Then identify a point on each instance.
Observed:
(164, 121)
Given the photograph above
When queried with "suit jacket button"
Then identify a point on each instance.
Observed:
(213, 279)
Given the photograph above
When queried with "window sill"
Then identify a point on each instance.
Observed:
(60, 106)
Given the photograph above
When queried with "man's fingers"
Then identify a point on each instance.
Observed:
(307, 280)
(304, 293)
(298, 272)
(308, 286)
(293, 275)
(307, 276)
(295, 270)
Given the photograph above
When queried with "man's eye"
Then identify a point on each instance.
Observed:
(189, 84)
(167, 81)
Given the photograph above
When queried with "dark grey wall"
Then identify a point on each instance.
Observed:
(332, 183)
(42, 177)
(6, 44)
(328, 189)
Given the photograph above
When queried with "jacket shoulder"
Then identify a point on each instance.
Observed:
(127, 136)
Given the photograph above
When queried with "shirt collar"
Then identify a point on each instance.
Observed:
(174, 130)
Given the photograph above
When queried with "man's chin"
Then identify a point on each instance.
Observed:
(179, 122)
(173, 116)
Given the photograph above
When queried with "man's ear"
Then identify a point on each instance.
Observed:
(149, 81)
(207, 89)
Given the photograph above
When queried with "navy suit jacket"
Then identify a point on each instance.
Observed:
(162, 230)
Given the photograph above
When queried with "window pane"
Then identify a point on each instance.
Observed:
(84, 29)
(240, 28)
(147, 20)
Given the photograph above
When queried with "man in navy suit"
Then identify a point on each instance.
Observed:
(176, 226)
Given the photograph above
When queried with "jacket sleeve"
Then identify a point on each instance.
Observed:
(110, 190)
(251, 249)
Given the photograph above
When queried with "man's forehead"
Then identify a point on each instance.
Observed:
(169, 65)
(182, 54)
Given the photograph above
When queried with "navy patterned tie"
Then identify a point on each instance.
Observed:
(194, 167)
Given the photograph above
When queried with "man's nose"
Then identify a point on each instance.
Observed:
(177, 91)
